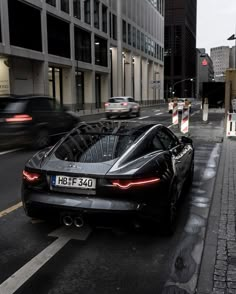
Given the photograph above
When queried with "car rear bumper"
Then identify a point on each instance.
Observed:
(43, 205)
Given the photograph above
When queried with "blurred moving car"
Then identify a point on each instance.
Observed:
(122, 106)
(32, 120)
(182, 104)
(119, 168)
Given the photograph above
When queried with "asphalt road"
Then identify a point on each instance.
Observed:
(37, 257)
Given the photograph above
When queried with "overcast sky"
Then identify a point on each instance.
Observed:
(216, 21)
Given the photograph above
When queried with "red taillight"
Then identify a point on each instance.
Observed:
(19, 118)
(106, 104)
(124, 103)
(30, 177)
(126, 184)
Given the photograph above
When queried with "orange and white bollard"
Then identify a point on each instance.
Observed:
(175, 114)
(185, 121)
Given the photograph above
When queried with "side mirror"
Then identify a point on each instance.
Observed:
(185, 140)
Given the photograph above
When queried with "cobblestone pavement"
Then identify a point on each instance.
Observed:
(218, 269)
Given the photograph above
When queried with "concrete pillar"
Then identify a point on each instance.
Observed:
(40, 77)
(137, 78)
(114, 71)
(144, 79)
(68, 81)
(4, 77)
(104, 88)
(151, 78)
(119, 49)
(89, 89)
(127, 74)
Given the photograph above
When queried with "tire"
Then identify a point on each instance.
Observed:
(169, 219)
(42, 139)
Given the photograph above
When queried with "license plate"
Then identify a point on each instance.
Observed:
(73, 182)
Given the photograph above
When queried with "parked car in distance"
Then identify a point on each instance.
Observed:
(182, 104)
(122, 106)
(32, 120)
(110, 169)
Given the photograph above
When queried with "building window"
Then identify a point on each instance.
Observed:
(142, 42)
(138, 39)
(58, 36)
(104, 18)
(110, 25)
(124, 30)
(129, 34)
(87, 11)
(134, 37)
(114, 27)
(77, 9)
(51, 2)
(82, 45)
(100, 51)
(65, 6)
(22, 18)
(96, 13)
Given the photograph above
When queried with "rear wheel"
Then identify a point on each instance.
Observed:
(169, 219)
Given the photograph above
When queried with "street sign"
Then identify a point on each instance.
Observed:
(233, 102)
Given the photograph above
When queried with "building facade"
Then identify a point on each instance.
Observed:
(83, 51)
(205, 71)
(232, 57)
(220, 57)
(180, 48)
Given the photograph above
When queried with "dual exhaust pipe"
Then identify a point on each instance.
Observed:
(69, 221)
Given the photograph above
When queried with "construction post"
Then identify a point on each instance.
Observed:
(185, 121)
(205, 110)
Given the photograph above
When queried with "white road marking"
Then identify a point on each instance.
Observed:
(9, 151)
(14, 282)
(157, 110)
(143, 117)
(10, 209)
(159, 113)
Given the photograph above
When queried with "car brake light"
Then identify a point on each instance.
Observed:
(124, 103)
(126, 184)
(19, 118)
(30, 177)
(106, 104)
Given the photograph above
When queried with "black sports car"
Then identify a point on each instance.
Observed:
(106, 168)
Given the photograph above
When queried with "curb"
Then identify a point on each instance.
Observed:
(207, 267)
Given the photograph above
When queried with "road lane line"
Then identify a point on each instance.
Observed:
(10, 151)
(143, 117)
(10, 209)
(159, 113)
(20, 277)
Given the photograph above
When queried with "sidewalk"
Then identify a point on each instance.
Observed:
(218, 268)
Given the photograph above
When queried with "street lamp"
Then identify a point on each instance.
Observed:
(188, 79)
(233, 37)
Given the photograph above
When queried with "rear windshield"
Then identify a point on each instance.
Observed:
(11, 105)
(98, 143)
(117, 100)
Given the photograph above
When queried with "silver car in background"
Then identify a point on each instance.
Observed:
(122, 106)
